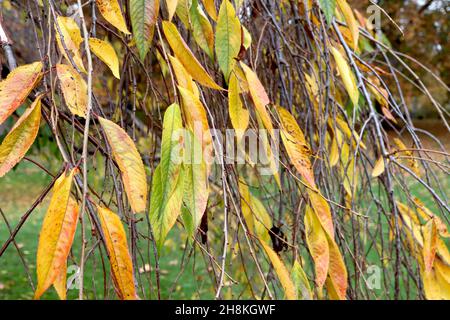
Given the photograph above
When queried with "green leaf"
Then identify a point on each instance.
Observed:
(202, 29)
(328, 7)
(228, 38)
(167, 184)
(196, 192)
(144, 14)
(301, 282)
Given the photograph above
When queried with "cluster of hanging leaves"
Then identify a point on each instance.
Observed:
(193, 66)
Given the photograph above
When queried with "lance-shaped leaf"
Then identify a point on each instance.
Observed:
(350, 20)
(322, 210)
(316, 239)
(60, 283)
(167, 182)
(196, 191)
(187, 58)
(430, 240)
(347, 76)
(74, 89)
(378, 168)
(228, 38)
(119, 256)
(171, 8)
(328, 7)
(20, 138)
(238, 115)
(436, 283)
(202, 29)
(143, 14)
(301, 282)
(210, 7)
(57, 233)
(196, 117)
(68, 36)
(259, 97)
(246, 206)
(16, 87)
(130, 164)
(105, 52)
(184, 79)
(110, 10)
(282, 273)
(337, 272)
(296, 146)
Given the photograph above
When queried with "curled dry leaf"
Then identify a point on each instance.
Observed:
(110, 10)
(20, 138)
(56, 237)
(74, 89)
(187, 58)
(16, 87)
(105, 52)
(130, 164)
(68, 36)
(119, 256)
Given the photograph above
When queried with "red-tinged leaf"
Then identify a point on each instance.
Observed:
(16, 87)
(119, 256)
(57, 233)
(20, 138)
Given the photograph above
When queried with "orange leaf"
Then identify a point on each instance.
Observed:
(119, 256)
(20, 138)
(16, 87)
(57, 233)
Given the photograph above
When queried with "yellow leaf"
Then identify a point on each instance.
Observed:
(197, 121)
(210, 7)
(105, 52)
(296, 146)
(71, 37)
(259, 97)
(246, 206)
(412, 163)
(110, 10)
(238, 115)
(119, 256)
(57, 233)
(187, 58)
(322, 210)
(184, 79)
(350, 20)
(347, 76)
(16, 87)
(282, 273)
(20, 138)
(130, 164)
(430, 238)
(171, 7)
(378, 168)
(201, 29)
(317, 241)
(74, 89)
